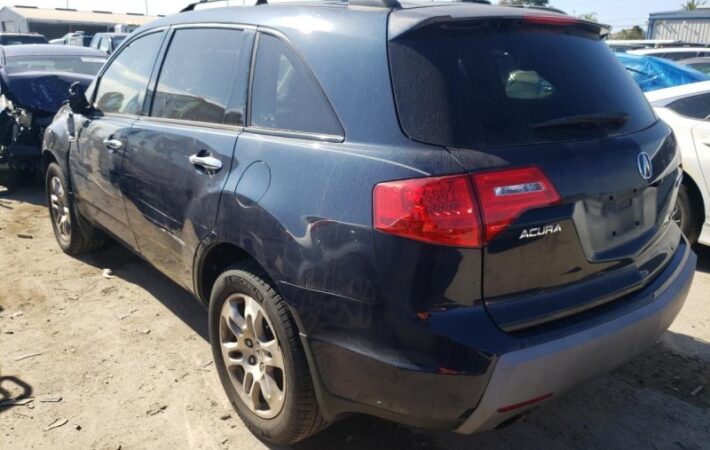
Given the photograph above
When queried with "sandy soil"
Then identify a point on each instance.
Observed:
(124, 363)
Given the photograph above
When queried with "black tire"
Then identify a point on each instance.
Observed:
(82, 237)
(299, 416)
(687, 214)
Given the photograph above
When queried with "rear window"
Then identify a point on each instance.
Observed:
(489, 84)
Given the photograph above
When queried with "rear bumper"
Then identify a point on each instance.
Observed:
(551, 368)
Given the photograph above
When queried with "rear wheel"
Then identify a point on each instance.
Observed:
(259, 357)
(686, 214)
(74, 235)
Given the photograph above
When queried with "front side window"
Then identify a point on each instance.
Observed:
(202, 69)
(697, 107)
(123, 85)
(285, 95)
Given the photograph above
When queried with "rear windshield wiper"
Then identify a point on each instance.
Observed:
(584, 120)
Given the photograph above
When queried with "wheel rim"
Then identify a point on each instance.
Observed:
(60, 208)
(252, 355)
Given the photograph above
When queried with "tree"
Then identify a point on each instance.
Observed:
(590, 16)
(634, 33)
(690, 5)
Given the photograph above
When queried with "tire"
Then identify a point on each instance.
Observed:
(284, 419)
(686, 215)
(74, 234)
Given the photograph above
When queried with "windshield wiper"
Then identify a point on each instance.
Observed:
(584, 120)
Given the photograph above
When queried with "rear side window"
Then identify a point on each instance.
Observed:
(202, 69)
(285, 95)
(697, 107)
(123, 85)
(492, 84)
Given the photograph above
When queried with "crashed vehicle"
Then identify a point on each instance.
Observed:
(34, 82)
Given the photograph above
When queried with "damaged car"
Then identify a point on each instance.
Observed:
(34, 82)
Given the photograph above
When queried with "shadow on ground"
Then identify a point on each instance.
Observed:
(133, 269)
(11, 390)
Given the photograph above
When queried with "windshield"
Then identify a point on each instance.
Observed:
(489, 84)
(85, 65)
(117, 40)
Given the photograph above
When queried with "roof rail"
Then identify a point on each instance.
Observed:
(376, 3)
(191, 6)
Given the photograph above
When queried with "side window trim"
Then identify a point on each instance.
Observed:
(114, 55)
(158, 68)
(280, 132)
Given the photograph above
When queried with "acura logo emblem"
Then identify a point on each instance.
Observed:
(645, 166)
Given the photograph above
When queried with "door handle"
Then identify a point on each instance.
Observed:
(209, 163)
(113, 144)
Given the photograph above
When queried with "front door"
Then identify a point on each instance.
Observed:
(102, 135)
(180, 155)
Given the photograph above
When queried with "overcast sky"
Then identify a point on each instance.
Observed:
(618, 13)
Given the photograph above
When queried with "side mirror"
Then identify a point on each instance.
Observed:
(77, 98)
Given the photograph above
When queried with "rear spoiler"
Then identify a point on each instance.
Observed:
(407, 21)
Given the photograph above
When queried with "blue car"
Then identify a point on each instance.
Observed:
(652, 73)
(413, 211)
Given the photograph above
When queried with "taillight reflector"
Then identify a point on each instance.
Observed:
(505, 195)
(447, 211)
(437, 210)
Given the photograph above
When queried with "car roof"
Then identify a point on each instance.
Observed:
(48, 50)
(651, 51)
(408, 14)
(663, 97)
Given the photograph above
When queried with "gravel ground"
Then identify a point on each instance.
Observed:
(124, 363)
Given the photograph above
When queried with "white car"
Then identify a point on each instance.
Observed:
(673, 53)
(687, 110)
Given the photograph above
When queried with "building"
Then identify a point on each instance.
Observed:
(688, 26)
(55, 23)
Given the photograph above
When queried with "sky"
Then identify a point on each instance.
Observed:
(618, 13)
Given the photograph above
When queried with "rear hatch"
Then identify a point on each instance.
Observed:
(574, 176)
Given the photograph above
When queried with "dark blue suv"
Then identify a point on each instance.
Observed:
(438, 214)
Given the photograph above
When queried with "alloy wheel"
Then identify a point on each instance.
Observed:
(252, 355)
(59, 203)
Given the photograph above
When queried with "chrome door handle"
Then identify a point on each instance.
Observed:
(113, 144)
(208, 163)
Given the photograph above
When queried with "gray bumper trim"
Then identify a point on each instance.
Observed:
(560, 365)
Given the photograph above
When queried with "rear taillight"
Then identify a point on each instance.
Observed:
(445, 211)
(504, 195)
(436, 210)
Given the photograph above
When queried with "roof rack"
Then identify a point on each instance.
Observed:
(191, 6)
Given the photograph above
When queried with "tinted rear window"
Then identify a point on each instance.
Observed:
(488, 84)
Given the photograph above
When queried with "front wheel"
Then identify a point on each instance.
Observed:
(73, 237)
(259, 357)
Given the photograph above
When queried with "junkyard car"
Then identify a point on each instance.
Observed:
(34, 82)
(439, 213)
(652, 73)
(687, 110)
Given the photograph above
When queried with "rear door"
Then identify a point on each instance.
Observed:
(103, 133)
(574, 176)
(180, 154)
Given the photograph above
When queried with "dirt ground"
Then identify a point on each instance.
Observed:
(124, 363)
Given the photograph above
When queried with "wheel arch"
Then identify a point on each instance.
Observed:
(696, 196)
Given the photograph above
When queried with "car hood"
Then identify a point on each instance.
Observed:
(40, 92)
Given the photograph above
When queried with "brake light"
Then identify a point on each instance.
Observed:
(548, 19)
(506, 194)
(436, 210)
(447, 211)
